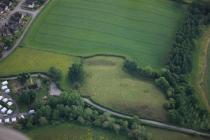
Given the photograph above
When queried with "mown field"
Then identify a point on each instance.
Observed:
(32, 60)
(72, 132)
(108, 85)
(140, 30)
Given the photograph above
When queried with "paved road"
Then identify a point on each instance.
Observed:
(148, 122)
(33, 14)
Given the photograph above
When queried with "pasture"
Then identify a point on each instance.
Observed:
(25, 60)
(72, 132)
(107, 84)
(140, 30)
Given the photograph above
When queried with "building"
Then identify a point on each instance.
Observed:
(9, 112)
(4, 87)
(14, 119)
(4, 83)
(7, 120)
(9, 103)
(7, 91)
(3, 110)
(31, 111)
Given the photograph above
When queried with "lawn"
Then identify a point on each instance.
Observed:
(107, 84)
(140, 30)
(72, 132)
(32, 60)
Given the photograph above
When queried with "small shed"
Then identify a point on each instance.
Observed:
(4, 83)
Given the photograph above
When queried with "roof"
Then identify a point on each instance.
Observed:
(4, 82)
(9, 103)
(4, 87)
(3, 110)
(14, 119)
(6, 120)
(7, 91)
(9, 111)
(5, 100)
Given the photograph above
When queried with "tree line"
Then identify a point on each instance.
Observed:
(182, 105)
(69, 107)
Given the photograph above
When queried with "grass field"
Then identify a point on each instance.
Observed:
(108, 85)
(140, 30)
(208, 74)
(32, 60)
(160, 134)
(77, 132)
(72, 132)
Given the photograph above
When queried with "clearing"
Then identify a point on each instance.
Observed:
(141, 30)
(108, 85)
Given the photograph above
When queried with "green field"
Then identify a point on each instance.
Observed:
(160, 134)
(208, 74)
(32, 60)
(77, 132)
(141, 30)
(108, 85)
(72, 132)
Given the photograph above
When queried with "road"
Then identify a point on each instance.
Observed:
(148, 122)
(33, 14)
